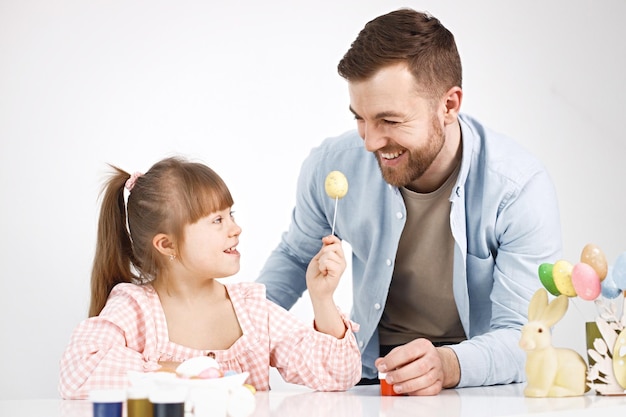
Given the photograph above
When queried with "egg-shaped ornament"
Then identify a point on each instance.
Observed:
(608, 287)
(585, 281)
(336, 185)
(592, 255)
(547, 279)
(562, 273)
(619, 271)
(195, 366)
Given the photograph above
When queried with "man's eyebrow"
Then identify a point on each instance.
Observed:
(386, 114)
(380, 115)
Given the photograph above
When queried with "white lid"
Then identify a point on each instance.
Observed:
(138, 392)
(107, 395)
(382, 375)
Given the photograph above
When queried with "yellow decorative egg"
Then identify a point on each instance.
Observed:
(562, 275)
(336, 184)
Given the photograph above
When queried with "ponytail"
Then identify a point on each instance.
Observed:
(114, 255)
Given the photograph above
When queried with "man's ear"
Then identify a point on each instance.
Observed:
(452, 103)
(164, 244)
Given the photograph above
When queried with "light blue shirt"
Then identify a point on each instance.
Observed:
(505, 222)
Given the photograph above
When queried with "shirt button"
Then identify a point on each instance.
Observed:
(399, 215)
(360, 343)
(388, 262)
(377, 306)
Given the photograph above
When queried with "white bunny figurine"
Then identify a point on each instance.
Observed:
(550, 371)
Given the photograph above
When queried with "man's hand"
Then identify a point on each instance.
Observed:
(419, 368)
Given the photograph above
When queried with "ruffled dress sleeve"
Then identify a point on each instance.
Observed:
(104, 348)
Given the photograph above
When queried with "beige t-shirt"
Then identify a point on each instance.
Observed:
(420, 301)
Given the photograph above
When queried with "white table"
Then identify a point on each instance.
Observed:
(504, 400)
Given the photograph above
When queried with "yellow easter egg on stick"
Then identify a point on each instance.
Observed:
(336, 184)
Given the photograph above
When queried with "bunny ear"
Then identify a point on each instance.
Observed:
(538, 304)
(555, 310)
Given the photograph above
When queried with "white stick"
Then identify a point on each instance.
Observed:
(334, 216)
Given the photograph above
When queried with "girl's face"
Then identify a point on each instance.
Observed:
(210, 248)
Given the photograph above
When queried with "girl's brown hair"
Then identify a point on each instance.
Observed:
(173, 193)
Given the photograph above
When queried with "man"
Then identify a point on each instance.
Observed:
(448, 221)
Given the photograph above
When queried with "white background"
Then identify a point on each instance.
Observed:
(249, 88)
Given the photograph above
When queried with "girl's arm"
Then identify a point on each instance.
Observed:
(307, 357)
(322, 278)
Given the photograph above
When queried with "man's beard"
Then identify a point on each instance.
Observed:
(418, 159)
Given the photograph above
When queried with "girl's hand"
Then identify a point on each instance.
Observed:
(325, 269)
(322, 278)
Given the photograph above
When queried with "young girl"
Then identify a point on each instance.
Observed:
(155, 300)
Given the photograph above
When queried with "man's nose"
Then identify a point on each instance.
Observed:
(372, 137)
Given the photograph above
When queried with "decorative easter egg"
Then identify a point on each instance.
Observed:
(336, 184)
(210, 373)
(562, 274)
(546, 278)
(619, 271)
(585, 281)
(194, 366)
(619, 359)
(592, 255)
(608, 287)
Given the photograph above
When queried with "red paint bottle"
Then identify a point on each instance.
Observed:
(386, 388)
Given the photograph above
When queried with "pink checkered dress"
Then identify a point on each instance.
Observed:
(131, 334)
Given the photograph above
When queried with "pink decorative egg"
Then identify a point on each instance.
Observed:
(586, 281)
(210, 373)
